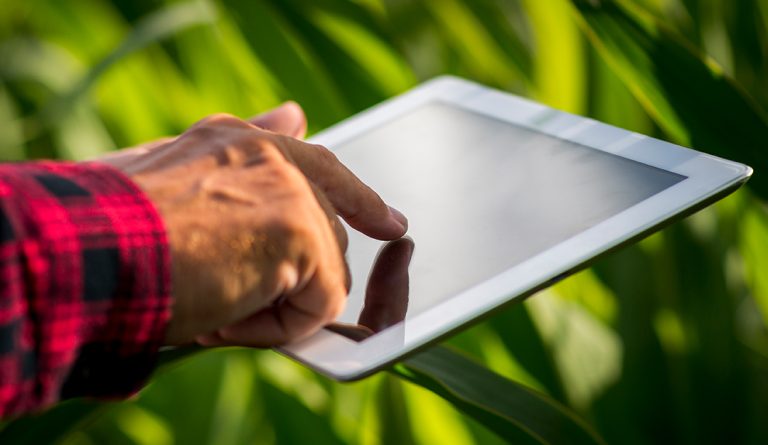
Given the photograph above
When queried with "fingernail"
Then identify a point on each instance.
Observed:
(399, 217)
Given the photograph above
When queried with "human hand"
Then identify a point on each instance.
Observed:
(257, 248)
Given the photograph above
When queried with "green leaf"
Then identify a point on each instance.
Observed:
(588, 353)
(157, 26)
(685, 93)
(713, 355)
(486, 345)
(11, 135)
(299, 72)
(753, 239)
(496, 18)
(58, 422)
(247, 87)
(559, 65)
(475, 45)
(141, 426)
(384, 67)
(393, 413)
(512, 411)
(612, 102)
(443, 423)
(516, 323)
(62, 419)
(507, 408)
(626, 412)
(294, 422)
(345, 44)
(763, 7)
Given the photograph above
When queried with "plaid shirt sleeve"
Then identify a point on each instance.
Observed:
(84, 284)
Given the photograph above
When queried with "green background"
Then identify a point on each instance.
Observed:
(663, 342)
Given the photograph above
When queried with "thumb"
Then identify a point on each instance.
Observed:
(288, 119)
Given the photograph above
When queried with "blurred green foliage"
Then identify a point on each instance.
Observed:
(663, 342)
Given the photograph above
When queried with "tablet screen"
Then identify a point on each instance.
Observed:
(482, 195)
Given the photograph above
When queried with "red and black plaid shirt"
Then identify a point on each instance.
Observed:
(84, 284)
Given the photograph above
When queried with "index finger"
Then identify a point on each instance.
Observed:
(360, 206)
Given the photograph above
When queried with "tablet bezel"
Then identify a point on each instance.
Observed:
(708, 178)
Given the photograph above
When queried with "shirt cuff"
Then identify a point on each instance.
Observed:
(99, 267)
(125, 334)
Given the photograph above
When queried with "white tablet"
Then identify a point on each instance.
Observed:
(504, 196)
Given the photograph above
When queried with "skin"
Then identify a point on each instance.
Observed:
(252, 215)
(386, 294)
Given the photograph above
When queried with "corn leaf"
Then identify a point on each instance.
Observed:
(559, 63)
(474, 44)
(157, 26)
(358, 61)
(511, 410)
(686, 94)
(58, 421)
(300, 73)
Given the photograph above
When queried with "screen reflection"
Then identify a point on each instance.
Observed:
(386, 293)
(482, 196)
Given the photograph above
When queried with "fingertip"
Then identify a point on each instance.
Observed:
(387, 230)
(287, 119)
(394, 227)
(384, 224)
(293, 109)
(399, 217)
(292, 106)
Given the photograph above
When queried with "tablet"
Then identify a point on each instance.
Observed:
(504, 196)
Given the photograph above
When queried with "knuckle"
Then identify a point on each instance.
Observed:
(230, 155)
(200, 133)
(280, 143)
(267, 149)
(222, 120)
(327, 156)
